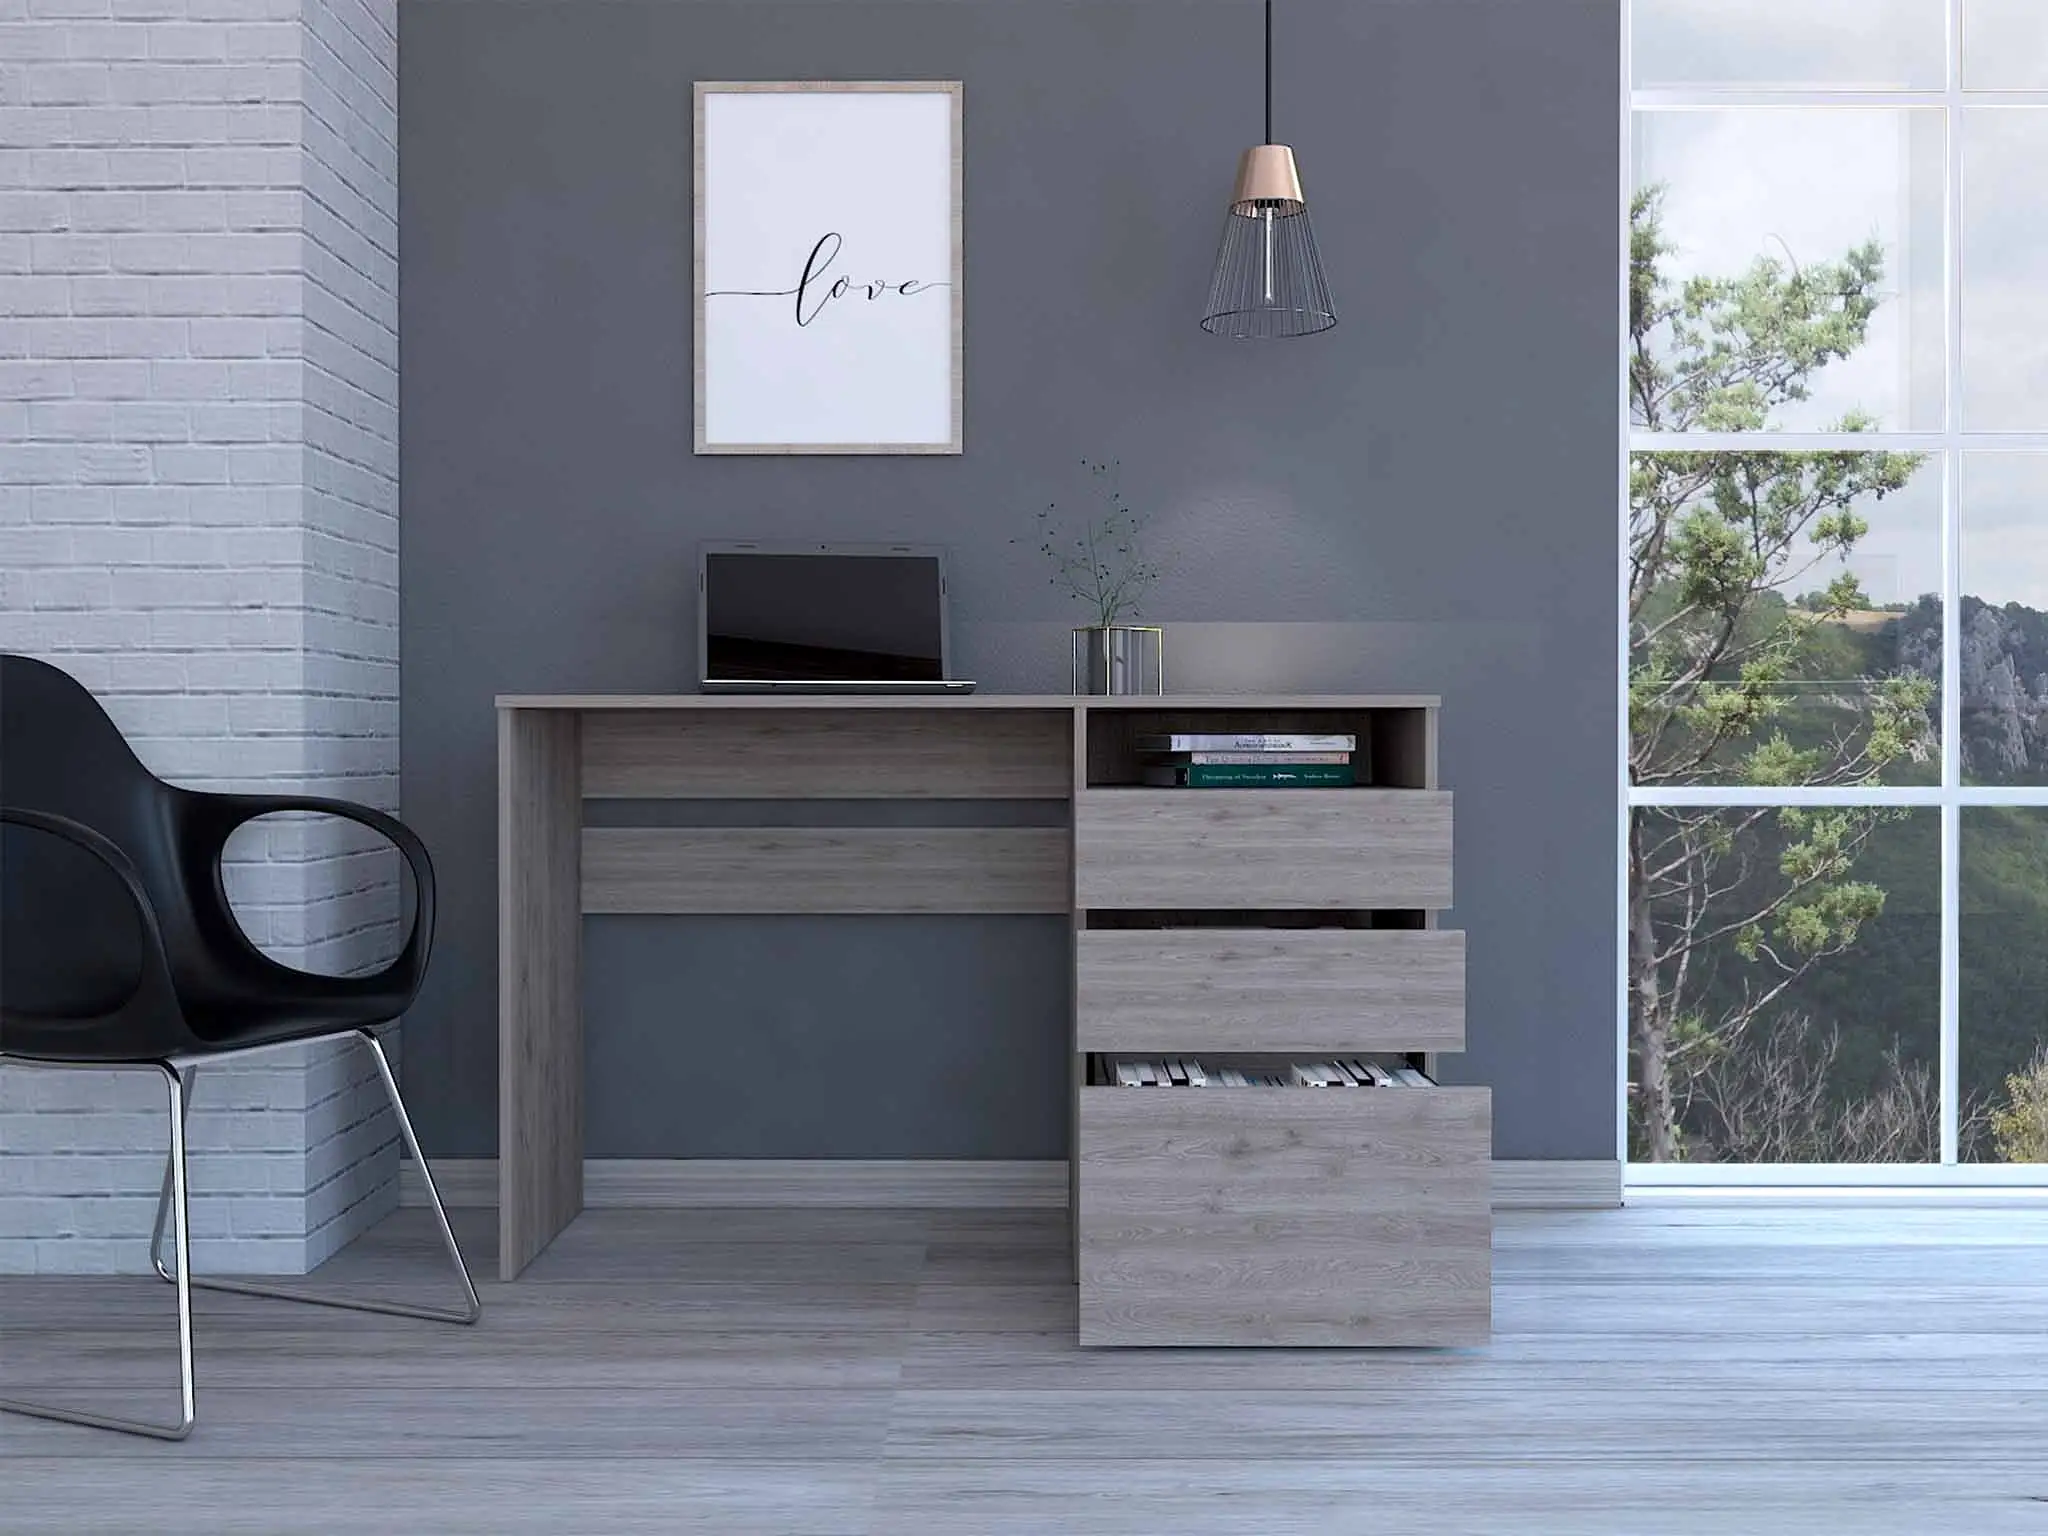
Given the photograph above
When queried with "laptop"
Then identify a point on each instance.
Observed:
(824, 618)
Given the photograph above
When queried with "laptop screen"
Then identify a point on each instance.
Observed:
(825, 617)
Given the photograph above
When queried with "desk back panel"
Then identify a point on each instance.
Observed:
(827, 1036)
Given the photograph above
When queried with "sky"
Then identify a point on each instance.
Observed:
(1807, 184)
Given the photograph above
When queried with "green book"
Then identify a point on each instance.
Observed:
(1253, 776)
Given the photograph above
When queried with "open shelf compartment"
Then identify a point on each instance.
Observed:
(1396, 745)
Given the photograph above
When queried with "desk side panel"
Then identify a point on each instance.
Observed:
(1077, 1063)
(540, 960)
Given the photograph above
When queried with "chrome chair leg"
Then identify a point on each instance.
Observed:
(174, 1194)
(467, 1313)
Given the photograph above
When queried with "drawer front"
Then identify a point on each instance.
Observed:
(1188, 990)
(1263, 848)
(1291, 1216)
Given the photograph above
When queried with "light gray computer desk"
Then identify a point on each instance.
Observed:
(1227, 924)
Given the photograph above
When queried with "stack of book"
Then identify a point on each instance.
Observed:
(1251, 760)
(1353, 1072)
(1338, 1072)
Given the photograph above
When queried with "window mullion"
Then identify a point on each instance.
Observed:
(1709, 795)
(1952, 600)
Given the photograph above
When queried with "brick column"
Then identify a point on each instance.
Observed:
(198, 519)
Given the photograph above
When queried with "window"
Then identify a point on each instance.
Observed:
(1834, 882)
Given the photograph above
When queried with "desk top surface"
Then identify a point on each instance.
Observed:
(909, 701)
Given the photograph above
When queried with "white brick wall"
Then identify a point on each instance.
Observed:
(198, 519)
(349, 418)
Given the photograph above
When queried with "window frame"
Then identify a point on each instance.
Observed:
(1951, 796)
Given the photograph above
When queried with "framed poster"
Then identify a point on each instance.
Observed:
(828, 267)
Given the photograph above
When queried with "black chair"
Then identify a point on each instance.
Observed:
(118, 949)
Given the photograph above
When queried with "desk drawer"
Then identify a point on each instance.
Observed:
(1292, 1216)
(1189, 990)
(1381, 849)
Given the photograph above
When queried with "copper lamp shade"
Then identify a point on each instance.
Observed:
(1269, 280)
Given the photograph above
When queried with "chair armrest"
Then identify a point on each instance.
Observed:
(411, 961)
(156, 960)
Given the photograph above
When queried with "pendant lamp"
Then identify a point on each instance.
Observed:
(1269, 280)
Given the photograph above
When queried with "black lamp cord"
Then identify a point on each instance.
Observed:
(1269, 71)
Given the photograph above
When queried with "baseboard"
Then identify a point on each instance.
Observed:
(919, 1182)
(759, 1181)
(1556, 1184)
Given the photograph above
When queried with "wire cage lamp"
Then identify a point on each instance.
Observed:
(1269, 280)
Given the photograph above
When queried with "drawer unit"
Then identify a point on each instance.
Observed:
(1258, 930)
(1184, 991)
(1358, 849)
(1284, 1216)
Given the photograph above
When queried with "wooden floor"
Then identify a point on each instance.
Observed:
(1837, 1371)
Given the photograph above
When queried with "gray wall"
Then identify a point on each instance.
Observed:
(1423, 499)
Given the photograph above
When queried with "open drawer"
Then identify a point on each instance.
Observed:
(1291, 1216)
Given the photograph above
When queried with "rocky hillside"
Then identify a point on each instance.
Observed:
(2005, 684)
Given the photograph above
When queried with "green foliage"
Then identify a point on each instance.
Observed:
(1718, 541)
(1850, 962)
(1769, 948)
(1899, 721)
(1824, 910)
(2019, 1126)
(1736, 348)
(1777, 761)
(2004, 969)
(1745, 669)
